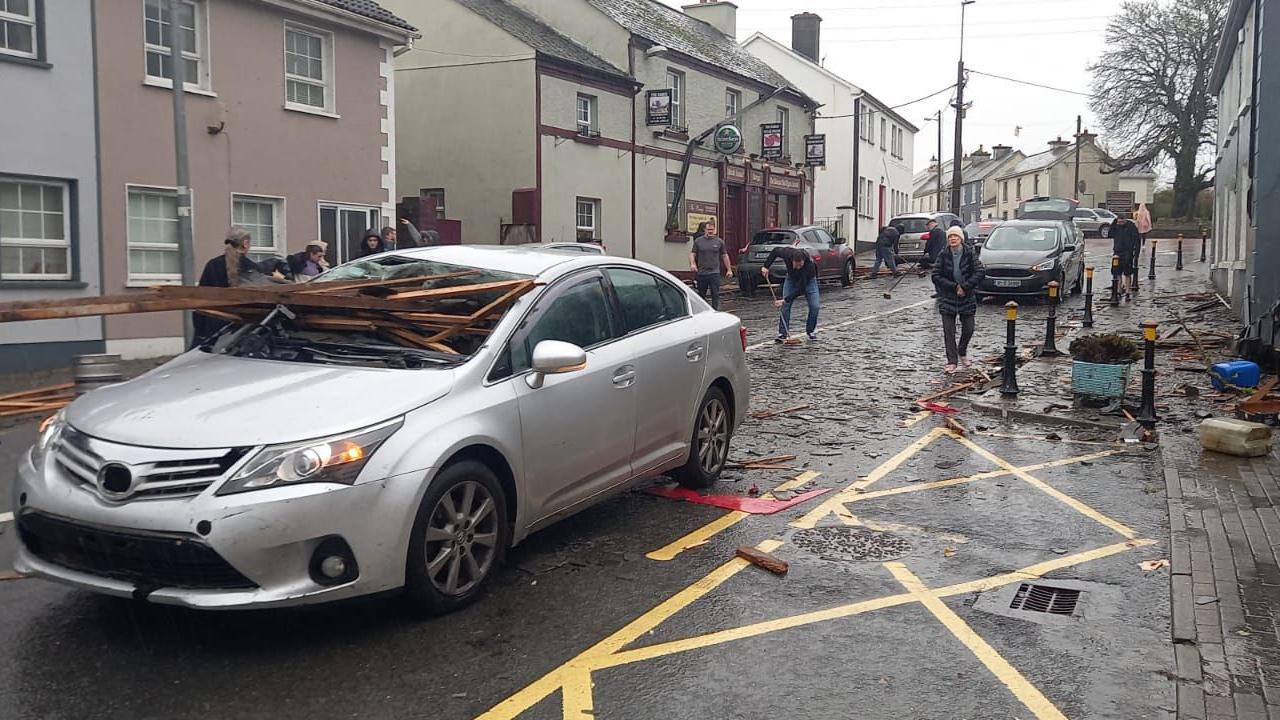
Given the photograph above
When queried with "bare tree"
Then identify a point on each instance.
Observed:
(1151, 89)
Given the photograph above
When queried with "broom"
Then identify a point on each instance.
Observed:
(786, 329)
(888, 295)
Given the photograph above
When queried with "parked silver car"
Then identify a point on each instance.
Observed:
(224, 481)
(1093, 221)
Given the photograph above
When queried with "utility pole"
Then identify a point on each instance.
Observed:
(938, 202)
(1075, 188)
(956, 173)
(179, 72)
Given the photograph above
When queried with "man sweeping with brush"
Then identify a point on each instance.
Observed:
(802, 279)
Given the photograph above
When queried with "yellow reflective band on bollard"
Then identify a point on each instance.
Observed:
(1011, 311)
(1149, 330)
(1089, 272)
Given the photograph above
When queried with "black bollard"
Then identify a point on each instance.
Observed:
(1179, 265)
(1009, 375)
(1088, 296)
(1115, 281)
(1204, 240)
(1050, 348)
(1152, 274)
(1147, 413)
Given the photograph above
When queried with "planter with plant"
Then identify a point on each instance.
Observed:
(1101, 365)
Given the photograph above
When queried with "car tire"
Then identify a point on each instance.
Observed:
(1104, 231)
(747, 284)
(1079, 286)
(448, 563)
(709, 446)
(846, 274)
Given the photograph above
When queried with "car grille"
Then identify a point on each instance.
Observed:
(157, 473)
(1020, 273)
(159, 560)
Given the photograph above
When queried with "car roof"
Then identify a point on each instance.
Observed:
(1045, 222)
(792, 228)
(532, 260)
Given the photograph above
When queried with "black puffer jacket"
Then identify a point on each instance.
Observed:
(971, 269)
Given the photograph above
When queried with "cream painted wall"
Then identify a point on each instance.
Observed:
(573, 169)
(464, 123)
(1142, 188)
(585, 24)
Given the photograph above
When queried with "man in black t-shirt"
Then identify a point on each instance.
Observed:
(802, 279)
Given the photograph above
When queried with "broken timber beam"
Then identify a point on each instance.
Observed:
(763, 559)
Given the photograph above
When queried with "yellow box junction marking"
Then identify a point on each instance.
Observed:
(726, 521)
(573, 678)
(1035, 701)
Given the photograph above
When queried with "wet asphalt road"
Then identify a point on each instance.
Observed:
(69, 654)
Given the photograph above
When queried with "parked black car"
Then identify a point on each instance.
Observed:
(833, 256)
(1023, 256)
(978, 232)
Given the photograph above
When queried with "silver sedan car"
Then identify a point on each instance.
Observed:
(225, 481)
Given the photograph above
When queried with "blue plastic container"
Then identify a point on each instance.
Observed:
(1240, 373)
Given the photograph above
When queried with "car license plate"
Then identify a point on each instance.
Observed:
(1008, 283)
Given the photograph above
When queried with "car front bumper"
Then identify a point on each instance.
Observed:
(252, 549)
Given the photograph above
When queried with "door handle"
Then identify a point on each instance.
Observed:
(694, 354)
(624, 376)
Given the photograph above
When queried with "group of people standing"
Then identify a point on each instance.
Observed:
(1128, 237)
(235, 268)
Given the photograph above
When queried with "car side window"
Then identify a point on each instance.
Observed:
(1082, 214)
(643, 302)
(814, 239)
(826, 236)
(578, 314)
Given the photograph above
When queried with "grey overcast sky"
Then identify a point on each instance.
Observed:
(900, 50)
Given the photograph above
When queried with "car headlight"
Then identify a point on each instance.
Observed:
(1046, 265)
(50, 431)
(336, 459)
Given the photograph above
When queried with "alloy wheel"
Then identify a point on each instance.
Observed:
(462, 538)
(713, 436)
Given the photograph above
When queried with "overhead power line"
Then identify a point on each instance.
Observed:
(891, 107)
(1032, 84)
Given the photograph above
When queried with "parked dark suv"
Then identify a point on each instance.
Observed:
(833, 256)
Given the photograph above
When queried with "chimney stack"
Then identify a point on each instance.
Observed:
(719, 14)
(806, 30)
(999, 152)
(980, 154)
(1059, 145)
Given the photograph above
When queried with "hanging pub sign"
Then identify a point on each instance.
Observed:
(659, 104)
(771, 140)
(815, 150)
(728, 139)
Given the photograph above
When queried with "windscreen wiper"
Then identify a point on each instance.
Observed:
(252, 340)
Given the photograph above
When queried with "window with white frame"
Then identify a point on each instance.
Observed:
(587, 218)
(784, 121)
(675, 81)
(870, 135)
(263, 217)
(158, 35)
(586, 115)
(884, 134)
(18, 30)
(153, 236)
(35, 238)
(673, 184)
(308, 68)
(732, 102)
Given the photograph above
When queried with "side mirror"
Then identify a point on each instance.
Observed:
(553, 357)
(841, 241)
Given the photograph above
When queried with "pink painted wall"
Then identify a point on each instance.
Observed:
(263, 148)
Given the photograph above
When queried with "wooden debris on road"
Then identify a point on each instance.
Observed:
(954, 426)
(40, 400)
(765, 463)
(763, 560)
(961, 387)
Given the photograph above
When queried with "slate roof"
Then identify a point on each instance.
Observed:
(677, 31)
(1039, 161)
(371, 10)
(538, 35)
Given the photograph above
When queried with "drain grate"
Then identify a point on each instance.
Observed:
(1045, 599)
(851, 544)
